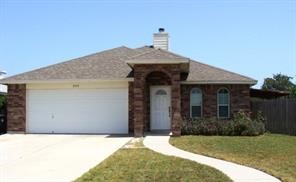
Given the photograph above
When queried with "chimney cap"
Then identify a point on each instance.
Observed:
(161, 30)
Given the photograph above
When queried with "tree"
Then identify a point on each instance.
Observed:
(280, 82)
(293, 91)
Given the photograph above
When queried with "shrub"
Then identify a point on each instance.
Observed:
(240, 125)
(2, 103)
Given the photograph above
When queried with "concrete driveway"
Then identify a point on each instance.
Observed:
(35, 157)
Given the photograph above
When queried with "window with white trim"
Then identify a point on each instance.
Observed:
(223, 103)
(195, 103)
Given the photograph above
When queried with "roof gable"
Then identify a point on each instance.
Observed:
(159, 56)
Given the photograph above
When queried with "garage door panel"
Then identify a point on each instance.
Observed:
(77, 111)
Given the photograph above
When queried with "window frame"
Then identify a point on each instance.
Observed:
(201, 104)
(218, 105)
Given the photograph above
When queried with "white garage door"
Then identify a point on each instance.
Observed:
(77, 111)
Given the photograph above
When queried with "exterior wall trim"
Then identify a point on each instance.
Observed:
(157, 61)
(213, 82)
(66, 81)
(77, 85)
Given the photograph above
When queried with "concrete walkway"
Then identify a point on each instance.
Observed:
(236, 172)
(53, 158)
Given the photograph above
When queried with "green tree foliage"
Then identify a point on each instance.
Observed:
(2, 101)
(280, 82)
(293, 91)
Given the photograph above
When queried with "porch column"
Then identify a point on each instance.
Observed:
(176, 104)
(16, 108)
(139, 88)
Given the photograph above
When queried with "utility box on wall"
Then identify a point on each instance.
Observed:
(3, 88)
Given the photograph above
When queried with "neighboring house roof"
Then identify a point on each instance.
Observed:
(267, 94)
(112, 65)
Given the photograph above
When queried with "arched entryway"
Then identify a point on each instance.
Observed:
(158, 99)
(146, 76)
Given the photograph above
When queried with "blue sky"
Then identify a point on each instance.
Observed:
(255, 38)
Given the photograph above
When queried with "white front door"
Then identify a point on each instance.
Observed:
(160, 106)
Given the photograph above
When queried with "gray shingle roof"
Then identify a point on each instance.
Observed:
(151, 53)
(111, 65)
(103, 65)
(203, 73)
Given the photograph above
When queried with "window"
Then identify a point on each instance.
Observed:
(160, 92)
(195, 103)
(223, 103)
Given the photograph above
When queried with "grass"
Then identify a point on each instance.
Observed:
(275, 154)
(142, 164)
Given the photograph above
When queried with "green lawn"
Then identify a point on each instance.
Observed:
(275, 154)
(141, 164)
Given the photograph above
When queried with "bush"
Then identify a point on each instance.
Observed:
(240, 125)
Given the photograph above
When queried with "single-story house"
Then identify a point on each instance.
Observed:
(123, 90)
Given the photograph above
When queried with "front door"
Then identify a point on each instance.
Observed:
(160, 107)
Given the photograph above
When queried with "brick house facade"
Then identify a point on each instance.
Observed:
(239, 99)
(131, 73)
(146, 75)
(239, 96)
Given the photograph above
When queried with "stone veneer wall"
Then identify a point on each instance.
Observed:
(239, 99)
(140, 95)
(16, 108)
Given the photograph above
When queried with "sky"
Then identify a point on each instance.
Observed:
(256, 38)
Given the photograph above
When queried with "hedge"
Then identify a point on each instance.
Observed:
(240, 125)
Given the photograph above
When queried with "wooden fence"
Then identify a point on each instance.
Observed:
(280, 114)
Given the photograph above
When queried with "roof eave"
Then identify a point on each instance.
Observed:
(183, 62)
(156, 61)
(65, 81)
(219, 82)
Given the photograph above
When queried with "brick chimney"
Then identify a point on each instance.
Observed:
(161, 39)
